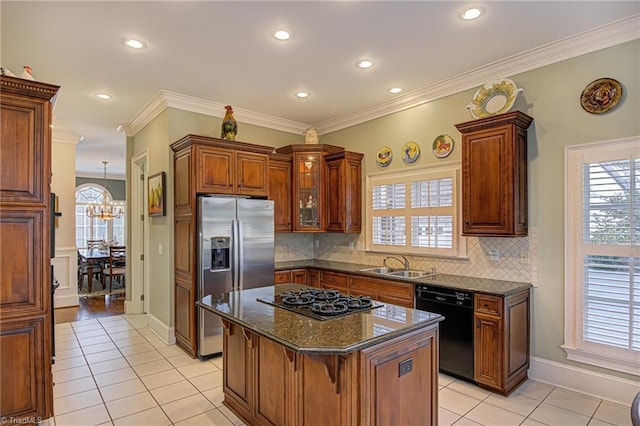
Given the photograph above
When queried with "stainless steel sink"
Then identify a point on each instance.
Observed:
(403, 273)
(410, 274)
(385, 271)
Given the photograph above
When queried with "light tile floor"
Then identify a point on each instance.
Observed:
(116, 371)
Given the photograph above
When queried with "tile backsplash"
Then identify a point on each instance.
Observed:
(515, 261)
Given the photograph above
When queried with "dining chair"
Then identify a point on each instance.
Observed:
(116, 265)
(97, 269)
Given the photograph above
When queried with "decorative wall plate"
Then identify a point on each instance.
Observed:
(601, 95)
(495, 97)
(384, 157)
(442, 146)
(410, 152)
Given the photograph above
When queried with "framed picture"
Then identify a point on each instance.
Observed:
(157, 196)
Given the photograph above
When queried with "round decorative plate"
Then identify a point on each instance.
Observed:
(384, 157)
(410, 152)
(495, 97)
(442, 146)
(601, 95)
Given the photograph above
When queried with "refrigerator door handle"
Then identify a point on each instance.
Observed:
(240, 245)
(235, 250)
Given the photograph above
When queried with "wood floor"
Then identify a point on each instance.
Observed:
(92, 307)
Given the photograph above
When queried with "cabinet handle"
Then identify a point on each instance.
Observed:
(478, 325)
(486, 305)
(467, 223)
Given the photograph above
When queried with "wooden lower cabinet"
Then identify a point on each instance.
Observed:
(313, 278)
(281, 277)
(394, 382)
(298, 276)
(501, 341)
(385, 291)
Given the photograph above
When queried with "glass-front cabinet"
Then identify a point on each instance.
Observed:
(308, 199)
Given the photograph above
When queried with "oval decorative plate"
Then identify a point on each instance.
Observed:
(601, 95)
(442, 146)
(384, 157)
(410, 152)
(495, 97)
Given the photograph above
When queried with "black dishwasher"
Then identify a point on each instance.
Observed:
(456, 331)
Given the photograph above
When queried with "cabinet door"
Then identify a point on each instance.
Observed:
(308, 192)
(486, 182)
(487, 351)
(25, 146)
(26, 369)
(344, 186)
(215, 170)
(313, 276)
(280, 193)
(299, 276)
(251, 173)
(282, 277)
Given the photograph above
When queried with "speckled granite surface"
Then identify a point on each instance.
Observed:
(484, 285)
(307, 335)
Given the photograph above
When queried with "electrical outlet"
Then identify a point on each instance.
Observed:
(351, 246)
(360, 246)
(159, 248)
(524, 257)
(494, 254)
(317, 243)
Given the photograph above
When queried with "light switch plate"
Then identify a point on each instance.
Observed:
(494, 254)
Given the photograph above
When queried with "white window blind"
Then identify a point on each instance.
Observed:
(414, 212)
(602, 303)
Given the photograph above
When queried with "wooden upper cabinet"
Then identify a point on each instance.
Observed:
(280, 190)
(344, 183)
(327, 188)
(494, 175)
(229, 171)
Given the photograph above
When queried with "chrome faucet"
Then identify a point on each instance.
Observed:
(404, 261)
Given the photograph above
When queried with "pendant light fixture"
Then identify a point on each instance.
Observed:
(107, 209)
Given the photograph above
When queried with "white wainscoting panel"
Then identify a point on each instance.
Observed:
(65, 269)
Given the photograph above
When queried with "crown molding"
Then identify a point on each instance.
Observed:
(58, 136)
(612, 34)
(608, 35)
(165, 99)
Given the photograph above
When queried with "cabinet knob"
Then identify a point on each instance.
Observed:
(486, 305)
(478, 326)
(467, 222)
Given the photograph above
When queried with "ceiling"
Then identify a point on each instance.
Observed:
(224, 52)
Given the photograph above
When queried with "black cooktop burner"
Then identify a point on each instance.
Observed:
(321, 304)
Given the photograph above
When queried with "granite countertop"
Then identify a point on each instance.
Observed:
(483, 285)
(303, 334)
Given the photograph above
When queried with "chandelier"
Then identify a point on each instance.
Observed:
(107, 209)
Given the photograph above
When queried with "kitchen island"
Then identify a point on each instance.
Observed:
(376, 366)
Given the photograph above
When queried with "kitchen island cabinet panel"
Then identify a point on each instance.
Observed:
(359, 369)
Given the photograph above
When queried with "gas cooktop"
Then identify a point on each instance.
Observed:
(321, 304)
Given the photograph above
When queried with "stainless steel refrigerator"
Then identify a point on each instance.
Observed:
(236, 253)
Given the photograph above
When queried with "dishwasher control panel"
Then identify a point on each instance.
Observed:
(444, 295)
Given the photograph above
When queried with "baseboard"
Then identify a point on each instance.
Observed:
(66, 301)
(599, 385)
(164, 332)
(131, 307)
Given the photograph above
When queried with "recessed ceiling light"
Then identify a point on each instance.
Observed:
(302, 94)
(470, 14)
(135, 44)
(103, 96)
(282, 35)
(395, 90)
(365, 63)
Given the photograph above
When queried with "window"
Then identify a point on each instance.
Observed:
(95, 229)
(602, 287)
(414, 212)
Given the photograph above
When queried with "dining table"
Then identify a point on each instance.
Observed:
(93, 257)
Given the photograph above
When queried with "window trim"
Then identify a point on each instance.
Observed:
(459, 250)
(574, 346)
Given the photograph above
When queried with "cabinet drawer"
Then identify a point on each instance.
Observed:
(378, 286)
(487, 304)
(282, 277)
(333, 278)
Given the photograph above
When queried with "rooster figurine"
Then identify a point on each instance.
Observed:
(229, 125)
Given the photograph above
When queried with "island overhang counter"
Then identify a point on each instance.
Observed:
(379, 366)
